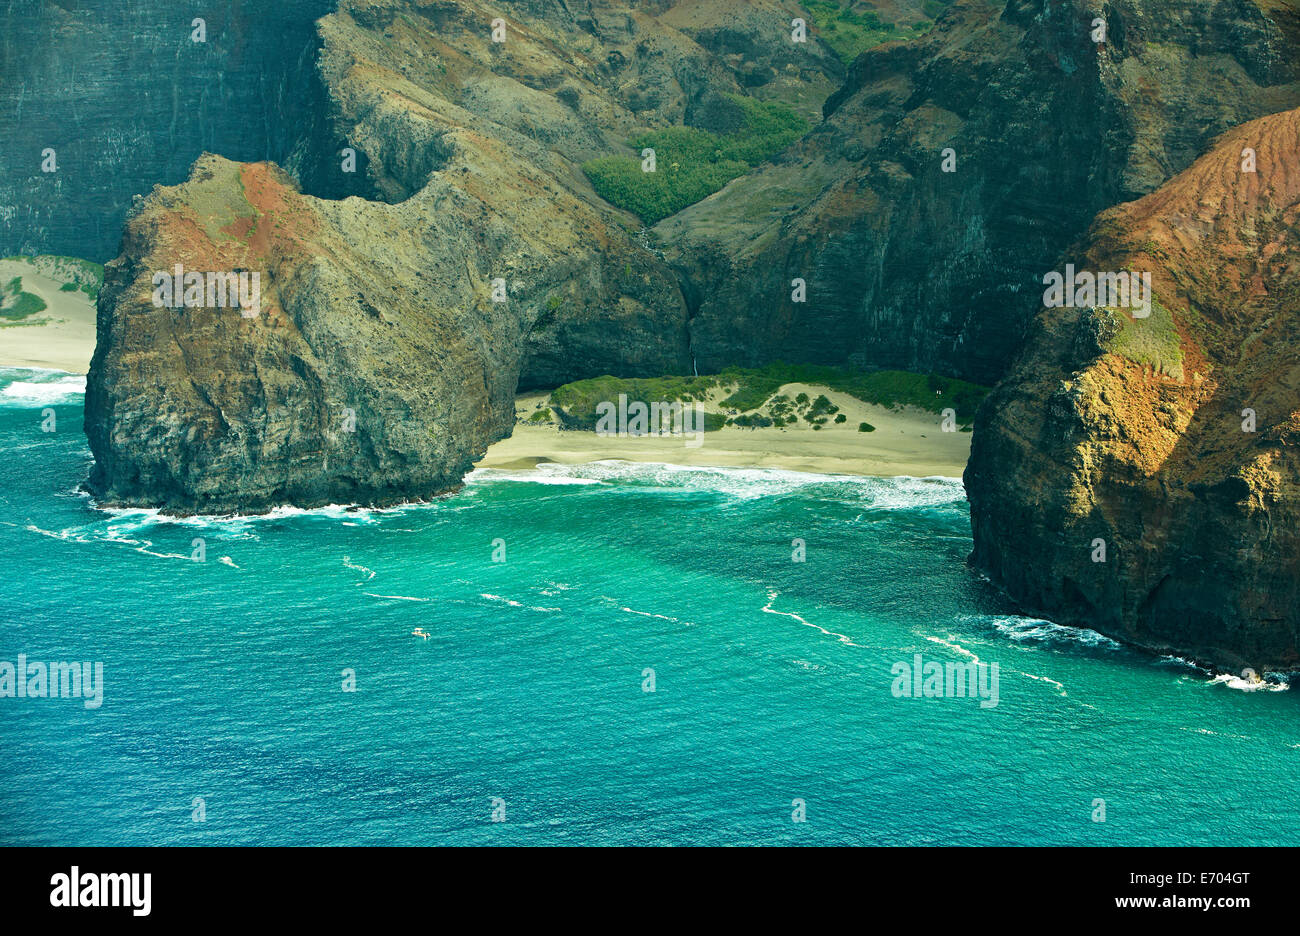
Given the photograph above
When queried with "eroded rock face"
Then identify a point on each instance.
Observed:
(1130, 433)
(366, 376)
(378, 314)
(911, 267)
(382, 309)
(421, 91)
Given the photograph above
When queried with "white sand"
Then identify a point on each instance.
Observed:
(60, 338)
(907, 441)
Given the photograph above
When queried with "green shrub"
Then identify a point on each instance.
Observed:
(822, 406)
(849, 34)
(930, 392)
(69, 287)
(750, 396)
(21, 306)
(690, 163)
(866, 427)
(1153, 341)
(575, 403)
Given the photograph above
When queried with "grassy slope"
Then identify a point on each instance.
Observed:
(690, 163)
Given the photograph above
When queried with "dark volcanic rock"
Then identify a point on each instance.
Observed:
(1132, 432)
(127, 100)
(910, 267)
(383, 308)
(374, 313)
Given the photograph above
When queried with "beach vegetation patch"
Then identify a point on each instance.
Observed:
(575, 403)
(16, 304)
(930, 392)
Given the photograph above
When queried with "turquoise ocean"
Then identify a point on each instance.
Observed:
(224, 679)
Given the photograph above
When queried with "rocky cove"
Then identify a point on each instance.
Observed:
(385, 162)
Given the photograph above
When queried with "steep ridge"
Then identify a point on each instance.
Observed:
(1172, 441)
(909, 266)
(472, 148)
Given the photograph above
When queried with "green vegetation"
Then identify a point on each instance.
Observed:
(575, 403)
(16, 304)
(751, 390)
(1153, 341)
(541, 416)
(690, 163)
(886, 388)
(72, 272)
(849, 34)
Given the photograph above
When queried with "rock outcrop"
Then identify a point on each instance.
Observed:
(384, 358)
(911, 267)
(482, 262)
(1141, 476)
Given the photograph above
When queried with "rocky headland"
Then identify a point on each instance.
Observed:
(1138, 475)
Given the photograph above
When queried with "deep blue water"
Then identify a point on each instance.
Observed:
(223, 679)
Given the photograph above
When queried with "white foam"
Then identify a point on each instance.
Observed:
(1273, 683)
(142, 517)
(902, 492)
(767, 608)
(370, 573)
(649, 614)
(545, 473)
(49, 387)
(954, 647)
(515, 604)
(1036, 629)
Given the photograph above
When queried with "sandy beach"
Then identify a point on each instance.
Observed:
(905, 442)
(62, 337)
